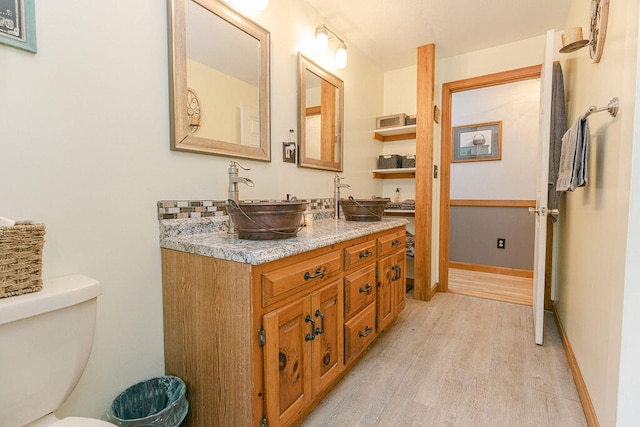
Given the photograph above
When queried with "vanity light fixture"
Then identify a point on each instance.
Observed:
(341, 56)
(322, 42)
(322, 38)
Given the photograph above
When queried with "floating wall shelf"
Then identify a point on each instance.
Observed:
(400, 212)
(394, 173)
(395, 134)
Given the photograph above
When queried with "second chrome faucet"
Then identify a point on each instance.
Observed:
(336, 195)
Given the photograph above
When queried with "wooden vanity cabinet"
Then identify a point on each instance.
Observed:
(264, 343)
(302, 354)
(391, 265)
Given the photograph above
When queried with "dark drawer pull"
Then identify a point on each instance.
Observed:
(365, 254)
(319, 273)
(367, 331)
(366, 290)
(312, 335)
(320, 330)
(396, 242)
(397, 275)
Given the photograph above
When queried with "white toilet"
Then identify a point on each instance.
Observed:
(45, 342)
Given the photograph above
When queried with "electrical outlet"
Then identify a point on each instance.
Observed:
(501, 242)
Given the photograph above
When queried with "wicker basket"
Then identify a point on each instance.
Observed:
(21, 258)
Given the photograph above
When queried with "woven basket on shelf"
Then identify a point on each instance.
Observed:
(21, 258)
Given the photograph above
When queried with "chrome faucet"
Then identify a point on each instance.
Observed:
(234, 179)
(336, 195)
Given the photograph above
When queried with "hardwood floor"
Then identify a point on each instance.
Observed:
(517, 290)
(457, 361)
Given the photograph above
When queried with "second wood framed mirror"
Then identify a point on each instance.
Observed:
(320, 117)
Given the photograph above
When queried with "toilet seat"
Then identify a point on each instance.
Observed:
(80, 422)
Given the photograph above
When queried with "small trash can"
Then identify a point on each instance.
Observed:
(159, 401)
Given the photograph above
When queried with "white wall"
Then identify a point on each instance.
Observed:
(84, 149)
(513, 177)
(593, 279)
(628, 412)
(400, 93)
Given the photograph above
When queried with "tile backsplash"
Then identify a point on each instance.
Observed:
(179, 209)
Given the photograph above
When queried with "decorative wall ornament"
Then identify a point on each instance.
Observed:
(193, 111)
(599, 16)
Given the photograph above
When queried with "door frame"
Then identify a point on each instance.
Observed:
(448, 89)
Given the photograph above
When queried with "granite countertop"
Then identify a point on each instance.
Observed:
(208, 237)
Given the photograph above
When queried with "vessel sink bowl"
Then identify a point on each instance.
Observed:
(363, 209)
(266, 220)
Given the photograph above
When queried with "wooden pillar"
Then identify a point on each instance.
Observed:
(424, 172)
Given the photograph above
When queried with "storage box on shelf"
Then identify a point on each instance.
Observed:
(389, 161)
(393, 120)
(408, 161)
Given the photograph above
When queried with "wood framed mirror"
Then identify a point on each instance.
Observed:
(320, 117)
(219, 81)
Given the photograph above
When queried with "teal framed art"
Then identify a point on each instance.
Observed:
(18, 24)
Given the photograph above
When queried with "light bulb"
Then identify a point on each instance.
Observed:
(260, 4)
(341, 56)
(322, 38)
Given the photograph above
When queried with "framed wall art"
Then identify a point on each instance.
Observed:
(18, 24)
(477, 142)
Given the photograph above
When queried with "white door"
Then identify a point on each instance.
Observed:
(541, 209)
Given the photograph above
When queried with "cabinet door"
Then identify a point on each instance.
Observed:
(287, 362)
(399, 282)
(327, 351)
(383, 299)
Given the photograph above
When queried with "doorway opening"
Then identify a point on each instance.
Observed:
(476, 205)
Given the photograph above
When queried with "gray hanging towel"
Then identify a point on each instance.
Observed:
(574, 156)
(558, 128)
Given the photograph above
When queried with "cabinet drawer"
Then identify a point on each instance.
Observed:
(391, 242)
(282, 282)
(359, 332)
(359, 290)
(359, 255)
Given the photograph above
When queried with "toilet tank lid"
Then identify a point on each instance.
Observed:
(56, 293)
